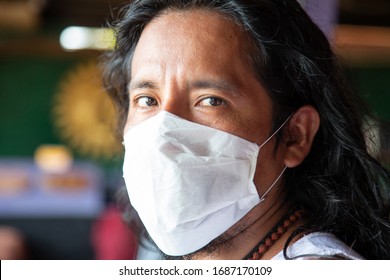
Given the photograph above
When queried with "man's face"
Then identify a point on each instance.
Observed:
(196, 65)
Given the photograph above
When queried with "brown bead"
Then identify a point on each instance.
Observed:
(281, 230)
(262, 249)
(275, 236)
(269, 242)
(256, 256)
(293, 218)
(299, 213)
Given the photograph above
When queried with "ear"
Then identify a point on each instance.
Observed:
(299, 135)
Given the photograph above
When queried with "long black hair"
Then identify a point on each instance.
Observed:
(343, 189)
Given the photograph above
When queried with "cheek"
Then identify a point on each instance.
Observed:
(249, 129)
(131, 120)
(134, 117)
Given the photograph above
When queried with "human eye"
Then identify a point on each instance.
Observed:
(211, 101)
(145, 102)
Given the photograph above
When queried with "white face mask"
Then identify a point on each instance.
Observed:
(188, 182)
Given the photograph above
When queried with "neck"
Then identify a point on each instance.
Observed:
(241, 238)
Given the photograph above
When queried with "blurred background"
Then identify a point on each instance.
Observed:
(60, 164)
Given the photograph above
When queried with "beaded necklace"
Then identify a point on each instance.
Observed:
(275, 234)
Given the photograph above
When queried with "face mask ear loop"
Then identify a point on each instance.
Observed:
(273, 184)
(284, 169)
(273, 134)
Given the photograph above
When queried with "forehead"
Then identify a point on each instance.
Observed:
(201, 36)
(199, 23)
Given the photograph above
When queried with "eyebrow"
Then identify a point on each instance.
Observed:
(142, 85)
(219, 85)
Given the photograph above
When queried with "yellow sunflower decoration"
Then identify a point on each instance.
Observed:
(85, 115)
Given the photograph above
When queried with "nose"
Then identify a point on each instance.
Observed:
(176, 101)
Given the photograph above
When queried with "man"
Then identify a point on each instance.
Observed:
(241, 138)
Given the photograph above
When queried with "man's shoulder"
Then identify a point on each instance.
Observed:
(319, 245)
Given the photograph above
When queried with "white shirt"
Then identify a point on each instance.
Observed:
(318, 244)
